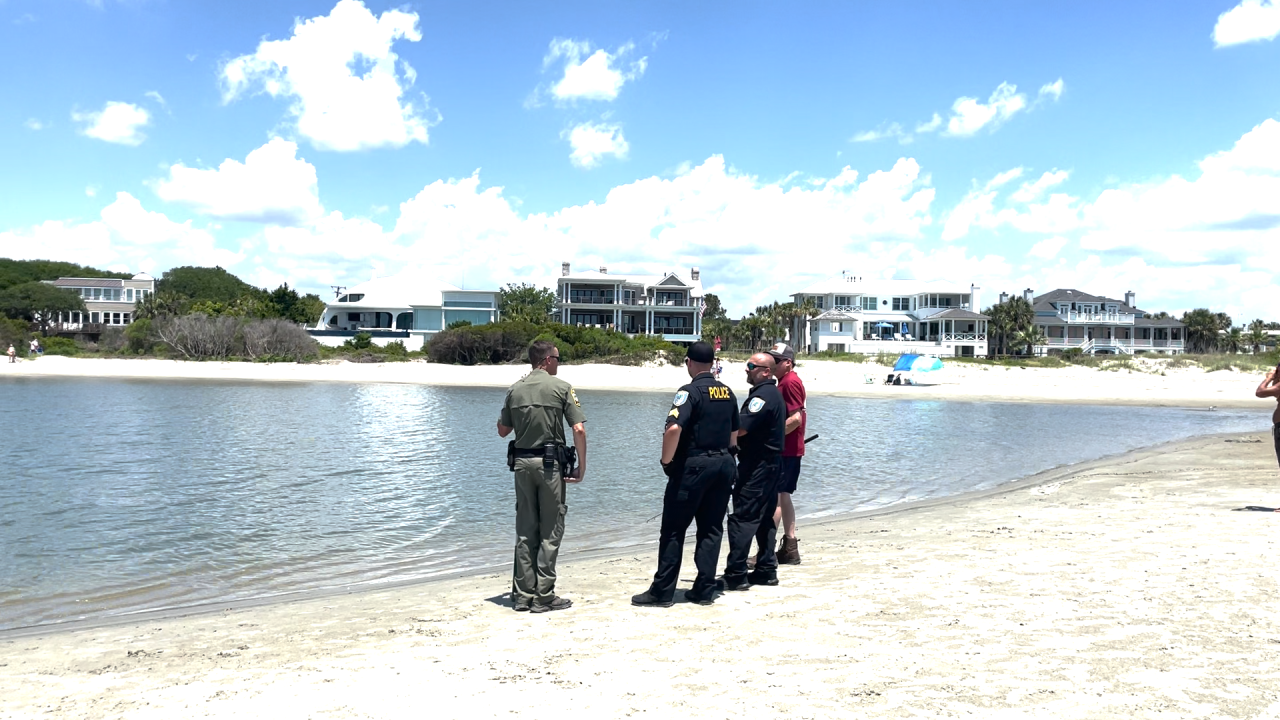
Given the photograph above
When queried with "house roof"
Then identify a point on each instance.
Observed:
(89, 282)
(1163, 322)
(837, 315)
(397, 291)
(854, 285)
(671, 279)
(1043, 303)
(957, 314)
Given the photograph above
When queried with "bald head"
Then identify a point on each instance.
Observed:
(759, 368)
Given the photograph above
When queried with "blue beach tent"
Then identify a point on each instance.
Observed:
(916, 363)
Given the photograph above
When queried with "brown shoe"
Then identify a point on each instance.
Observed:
(789, 551)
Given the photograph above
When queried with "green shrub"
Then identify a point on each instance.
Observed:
(507, 342)
(139, 337)
(60, 346)
(362, 341)
(840, 356)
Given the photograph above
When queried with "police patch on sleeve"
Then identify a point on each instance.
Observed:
(755, 405)
(574, 395)
(681, 398)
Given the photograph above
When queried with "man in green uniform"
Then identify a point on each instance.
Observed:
(536, 409)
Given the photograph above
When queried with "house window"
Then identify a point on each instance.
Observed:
(115, 318)
(845, 300)
(671, 323)
(836, 347)
(819, 301)
(868, 302)
(127, 319)
(670, 298)
(901, 303)
(837, 327)
(128, 295)
(93, 317)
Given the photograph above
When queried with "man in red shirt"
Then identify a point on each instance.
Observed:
(793, 395)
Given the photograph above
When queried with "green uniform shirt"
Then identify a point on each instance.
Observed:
(537, 407)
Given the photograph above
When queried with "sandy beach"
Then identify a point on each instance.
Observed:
(1152, 384)
(1122, 587)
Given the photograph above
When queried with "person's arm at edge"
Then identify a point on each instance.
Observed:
(503, 430)
(793, 421)
(670, 441)
(580, 444)
(1269, 387)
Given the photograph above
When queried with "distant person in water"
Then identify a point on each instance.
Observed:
(1270, 388)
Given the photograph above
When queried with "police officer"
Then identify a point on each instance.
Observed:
(536, 409)
(755, 494)
(697, 458)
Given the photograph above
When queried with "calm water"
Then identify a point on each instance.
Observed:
(120, 496)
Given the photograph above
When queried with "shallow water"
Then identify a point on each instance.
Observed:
(120, 496)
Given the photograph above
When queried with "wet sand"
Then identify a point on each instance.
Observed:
(1152, 385)
(1124, 587)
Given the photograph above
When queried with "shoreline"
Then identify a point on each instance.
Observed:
(1122, 585)
(1042, 477)
(1179, 387)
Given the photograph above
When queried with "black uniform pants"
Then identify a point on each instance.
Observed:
(755, 497)
(698, 491)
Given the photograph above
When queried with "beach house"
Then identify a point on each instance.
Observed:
(408, 308)
(108, 302)
(870, 315)
(669, 305)
(1098, 325)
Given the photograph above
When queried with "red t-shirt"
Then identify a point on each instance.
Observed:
(793, 395)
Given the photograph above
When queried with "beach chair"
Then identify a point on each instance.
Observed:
(897, 336)
(909, 338)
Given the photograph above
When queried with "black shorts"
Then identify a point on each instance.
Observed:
(790, 475)
(1275, 435)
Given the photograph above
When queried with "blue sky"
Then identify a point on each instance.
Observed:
(1103, 146)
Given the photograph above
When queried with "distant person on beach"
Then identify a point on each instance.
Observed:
(792, 389)
(13, 354)
(536, 409)
(36, 350)
(761, 428)
(719, 369)
(698, 444)
(1270, 388)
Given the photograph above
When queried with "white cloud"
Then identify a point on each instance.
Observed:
(116, 122)
(1250, 21)
(1053, 89)
(592, 141)
(589, 75)
(1004, 178)
(1033, 190)
(156, 97)
(346, 84)
(1048, 248)
(33, 124)
(272, 185)
(892, 130)
(969, 115)
(91, 191)
(126, 235)
(931, 126)
(737, 228)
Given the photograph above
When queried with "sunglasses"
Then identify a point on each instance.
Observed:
(554, 357)
(753, 366)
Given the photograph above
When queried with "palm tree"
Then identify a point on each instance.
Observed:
(1028, 338)
(1201, 330)
(1257, 336)
(1233, 340)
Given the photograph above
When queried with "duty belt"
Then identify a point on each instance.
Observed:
(700, 451)
(522, 453)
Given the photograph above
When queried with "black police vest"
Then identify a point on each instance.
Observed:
(714, 422)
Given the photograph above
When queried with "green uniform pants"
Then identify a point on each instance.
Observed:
(540, 509)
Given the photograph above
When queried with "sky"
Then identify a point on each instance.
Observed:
(1107, 147)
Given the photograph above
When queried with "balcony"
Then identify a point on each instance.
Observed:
(1103, 318)
(628, 302)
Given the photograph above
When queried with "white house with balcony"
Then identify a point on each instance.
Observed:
(870, 315)
(408, 308)
(108, 302)
(1097, 325)
(669, 305)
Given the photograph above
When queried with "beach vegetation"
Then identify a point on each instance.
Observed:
(508, 342)
(458, 324)
(361, 341)
(1011, 325)
(17, 272)
(39, 304)
(14, 332)
(526, 303)
(60, 346)
(1203, 327)
(839, 356)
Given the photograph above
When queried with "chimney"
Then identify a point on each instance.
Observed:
(1027, 294)
(1130, 298)
(564, 269)
(1004, 298)
(604, 270)
(974, 304)
(693, 273)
